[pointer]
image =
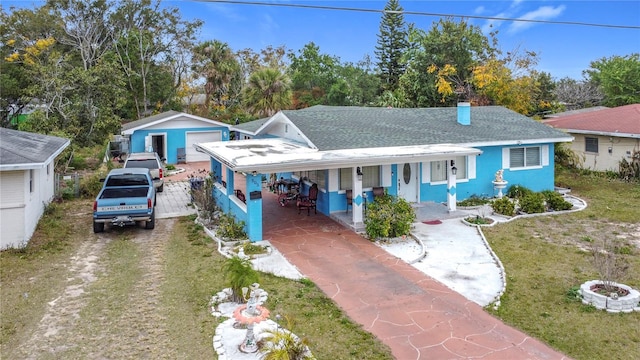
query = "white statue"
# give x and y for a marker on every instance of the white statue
(499, 177)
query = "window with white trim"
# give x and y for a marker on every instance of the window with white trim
(591, 144)
(370, 177)
(523, 157)
(345, 179)
(314, 176)
(439, 169)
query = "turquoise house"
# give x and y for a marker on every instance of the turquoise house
(422, 155)
(173, 134)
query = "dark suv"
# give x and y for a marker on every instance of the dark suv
(151, 161)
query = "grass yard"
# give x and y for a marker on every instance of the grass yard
(145, 305)
(546, 257)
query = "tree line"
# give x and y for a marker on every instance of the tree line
(81, 68)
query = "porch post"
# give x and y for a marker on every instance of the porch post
(216, 169)
(451, 186)
(358, 200)
(254, 207)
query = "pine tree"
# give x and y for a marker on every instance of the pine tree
(392, 43)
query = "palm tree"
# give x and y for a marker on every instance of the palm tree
(282, 344)
(215, 61)
(268, 91)
(239, 273)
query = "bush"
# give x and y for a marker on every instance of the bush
(238, 273)
(532, 203)
(518, 192)
(229, 228)
(90, 184)
(389, 216)
(474, 200)
(202, 195)
(555, 201)
(504, 206)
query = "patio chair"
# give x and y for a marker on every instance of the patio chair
(309, 202)
(349, 199)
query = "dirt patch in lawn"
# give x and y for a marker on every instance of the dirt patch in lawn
(98, 299)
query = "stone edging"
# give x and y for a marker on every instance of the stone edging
(496, 300)
(627, 304)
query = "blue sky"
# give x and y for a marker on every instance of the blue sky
(564, 50)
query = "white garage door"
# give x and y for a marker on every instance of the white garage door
(200, 137)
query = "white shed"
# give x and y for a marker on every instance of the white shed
(26, 182)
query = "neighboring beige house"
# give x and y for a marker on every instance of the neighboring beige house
(26, 182)
(603, 137)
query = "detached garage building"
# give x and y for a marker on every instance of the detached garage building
(172, 135)
(27, 182)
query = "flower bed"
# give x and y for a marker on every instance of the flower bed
(591, 292)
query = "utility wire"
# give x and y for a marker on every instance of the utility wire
(419, 13)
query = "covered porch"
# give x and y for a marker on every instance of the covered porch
(241, 168)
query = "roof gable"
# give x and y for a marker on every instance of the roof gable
(131, 127)
(349, 127)
(21, 150)
(621, 120)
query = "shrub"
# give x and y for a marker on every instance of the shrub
(78, 162)
(474, 200)
(518, 192)
(229, 228)
(389, 216)
(238, 273)
(504, 206)
(555, 201)
(532, 203)
(609, 263)
(566, 157)
(90, 184)
(253, 249)
(202, 195)
(283, 344)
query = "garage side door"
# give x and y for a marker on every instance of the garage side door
(200, 137)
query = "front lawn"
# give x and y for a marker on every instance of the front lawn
(546, 257)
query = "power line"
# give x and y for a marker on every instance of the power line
(420, 13)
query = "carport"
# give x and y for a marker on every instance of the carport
(256, 158)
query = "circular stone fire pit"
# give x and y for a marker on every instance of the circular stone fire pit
(610, 302)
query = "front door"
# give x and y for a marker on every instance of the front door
(408, 182)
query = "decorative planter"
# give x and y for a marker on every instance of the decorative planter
(488, 222)
(627, 303)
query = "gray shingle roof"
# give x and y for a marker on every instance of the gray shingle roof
(345, 127)
(28, 149)
(250, 126)
(149, 119)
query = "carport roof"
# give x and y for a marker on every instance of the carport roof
(269, 155)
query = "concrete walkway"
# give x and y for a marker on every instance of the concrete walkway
(417, 316)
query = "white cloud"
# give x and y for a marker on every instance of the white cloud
(542, 13)
(515, 3)
(226, 11)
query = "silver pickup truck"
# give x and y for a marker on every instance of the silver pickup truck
(128, 196)
(151, 161)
